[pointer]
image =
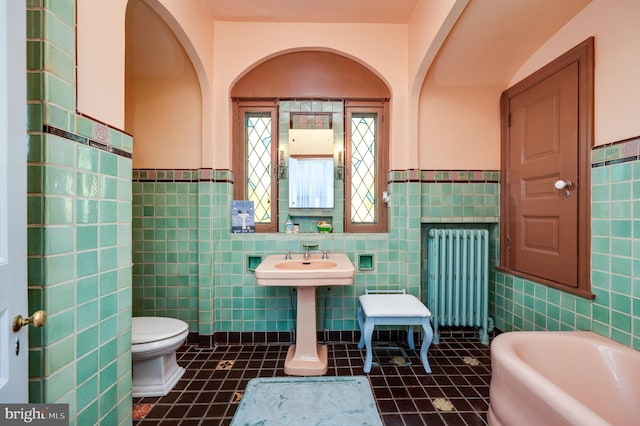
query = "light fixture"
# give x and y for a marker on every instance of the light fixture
(282, 168)
(340, 166)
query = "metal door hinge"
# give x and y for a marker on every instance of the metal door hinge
(508, 242)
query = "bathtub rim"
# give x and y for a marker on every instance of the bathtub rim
(561, 401)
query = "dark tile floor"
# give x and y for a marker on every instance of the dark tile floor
(210, 390)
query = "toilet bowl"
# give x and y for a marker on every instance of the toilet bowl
(154, 341)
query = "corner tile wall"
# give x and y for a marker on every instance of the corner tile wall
(520, 304)
(165, 226)
(79, 235)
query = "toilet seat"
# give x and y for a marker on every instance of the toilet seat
(152, 329)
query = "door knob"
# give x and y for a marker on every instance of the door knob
(563, 184)
(37, 320)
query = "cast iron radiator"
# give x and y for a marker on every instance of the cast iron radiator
(458, 279)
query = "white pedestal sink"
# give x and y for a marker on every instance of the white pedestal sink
(306, 357)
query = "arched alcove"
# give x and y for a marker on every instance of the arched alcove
(163, 97)
(322, 83)
(312, 75)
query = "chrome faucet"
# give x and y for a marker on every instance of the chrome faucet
(325, 254)
(307, 254)
(287, 255)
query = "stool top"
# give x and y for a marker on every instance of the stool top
(393, 305)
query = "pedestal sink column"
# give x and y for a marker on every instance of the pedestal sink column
(306, 357)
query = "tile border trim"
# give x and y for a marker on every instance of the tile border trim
(51, 130)
(619, 152)
(182, 175)
(444, 176)
(395, 176)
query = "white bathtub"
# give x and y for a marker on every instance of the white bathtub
(563, 378)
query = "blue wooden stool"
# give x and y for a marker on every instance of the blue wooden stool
(393, 309)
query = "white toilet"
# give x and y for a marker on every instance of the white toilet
(154, 341)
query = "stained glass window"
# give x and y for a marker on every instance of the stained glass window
(258, 131)
(363, 168)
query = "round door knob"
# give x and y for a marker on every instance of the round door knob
(37, 320)
(563, 184)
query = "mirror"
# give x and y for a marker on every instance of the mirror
(311, 183)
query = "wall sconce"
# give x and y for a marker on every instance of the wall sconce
(282, 168)
(340, 166)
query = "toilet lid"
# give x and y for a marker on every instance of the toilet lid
(150, 329)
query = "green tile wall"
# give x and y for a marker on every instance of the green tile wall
(79, 236)
(615, 248)
(165, 250)
(228, 298)
(460, 196)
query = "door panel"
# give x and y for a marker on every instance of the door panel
(544, 148)
(13, 192)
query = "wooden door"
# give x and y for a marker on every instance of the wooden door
(543, 134)
(546, 145)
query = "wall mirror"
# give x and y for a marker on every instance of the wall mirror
(311, 183)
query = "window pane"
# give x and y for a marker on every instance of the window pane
(258, 131)
(363, 168)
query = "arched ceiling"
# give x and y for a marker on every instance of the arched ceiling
(487, 45)
(152, 48)
(493, 38)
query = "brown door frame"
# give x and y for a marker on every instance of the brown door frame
(380, 108)
(583, 54)
(241, 107)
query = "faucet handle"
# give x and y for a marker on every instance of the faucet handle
(287, 255)
(325, 254)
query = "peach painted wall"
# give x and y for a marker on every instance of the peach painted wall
(617, 64)
(100, 60)
(240, 46)
(460, 127)
(163, 98)
(165, 122)
(430, 23)
(193, 26)
(223, 51)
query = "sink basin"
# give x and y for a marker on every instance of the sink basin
(300, 272)
(306, 265)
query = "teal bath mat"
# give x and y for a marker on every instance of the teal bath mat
(330, 401)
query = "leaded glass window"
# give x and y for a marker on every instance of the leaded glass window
(259, 168)
(363, 168)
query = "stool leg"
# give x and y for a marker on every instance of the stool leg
(427, 337)
(367, 333)
(361, 324)
(410, 338)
